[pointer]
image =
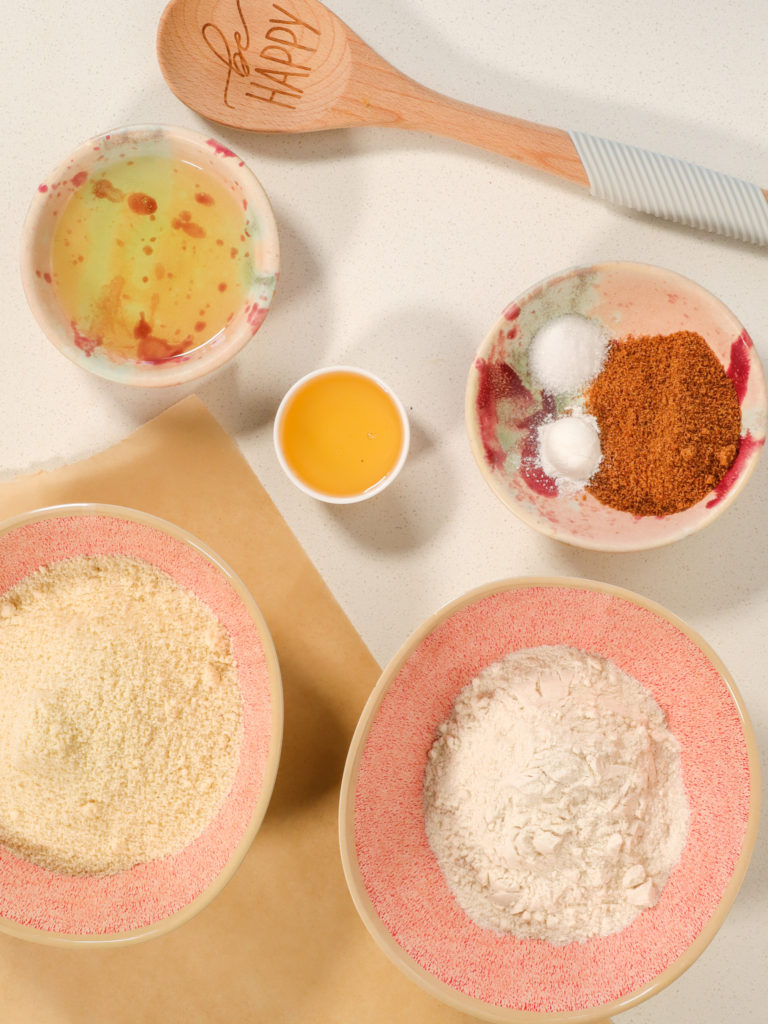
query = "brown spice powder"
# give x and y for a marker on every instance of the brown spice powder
(669, 421)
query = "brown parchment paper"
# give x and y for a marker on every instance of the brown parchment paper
(282, 942)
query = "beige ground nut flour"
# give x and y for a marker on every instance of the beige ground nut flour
(120, 715)
(554, 800)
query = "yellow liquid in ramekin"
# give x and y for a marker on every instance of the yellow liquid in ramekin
(150, 258)
(341, 434)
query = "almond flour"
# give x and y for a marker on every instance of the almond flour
(120, 716)
(554, 800)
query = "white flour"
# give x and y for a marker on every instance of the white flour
(553, 797)
(120, 716)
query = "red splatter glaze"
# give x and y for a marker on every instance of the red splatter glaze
(42, 188)
(185, 223)
(498, 381)
(255, 315)
(104, 189)
(155, 350)
(747, 446)
(140, 202)
(47, 277)
(80, 178)
(530, 468)
(219, 148)
(84, 343)
(512, 312)
(738, 367)
(495, 381)
(142, 328)
(204, 198)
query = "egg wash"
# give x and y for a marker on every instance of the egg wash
(150, 259)
(341, 434)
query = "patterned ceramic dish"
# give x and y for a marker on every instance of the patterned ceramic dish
(395, 880)
(151, 898)
(251, 240)
(504, 407)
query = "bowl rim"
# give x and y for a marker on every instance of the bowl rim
(541, 525)
(353, 875)
(170, 373)
(347, 499)
(180, 917)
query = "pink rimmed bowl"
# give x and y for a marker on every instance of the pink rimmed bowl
(394, 878)
(152, 898)
(504, 406)
(258, 234)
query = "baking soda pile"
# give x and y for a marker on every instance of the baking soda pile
(569, 449)
(565, 355)
(120, 716)
(553, 797)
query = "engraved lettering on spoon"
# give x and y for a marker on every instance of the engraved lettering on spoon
(282, 38)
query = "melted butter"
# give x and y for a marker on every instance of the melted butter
(341, 434)
(150, 259)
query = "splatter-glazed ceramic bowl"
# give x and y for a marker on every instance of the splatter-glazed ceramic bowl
(123, 260)
(504, 406)
(393, 876)
(151, 898)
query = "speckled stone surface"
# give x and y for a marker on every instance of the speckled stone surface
(398, 253)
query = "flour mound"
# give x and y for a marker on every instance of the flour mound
(553, 797)
(120, 716)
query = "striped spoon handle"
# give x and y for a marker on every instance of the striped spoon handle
(673, 189)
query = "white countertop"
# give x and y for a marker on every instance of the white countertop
(399, 252)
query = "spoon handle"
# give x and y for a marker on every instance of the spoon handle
(625, 175)
(673, 189)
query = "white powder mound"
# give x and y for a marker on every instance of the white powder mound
(569, 449)
(566, 353)
(553, 797)
(120, 716)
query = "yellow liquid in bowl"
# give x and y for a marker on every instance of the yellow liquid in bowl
(150, 259)
(341, 434)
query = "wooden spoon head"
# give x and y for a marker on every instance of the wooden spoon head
(262, 65)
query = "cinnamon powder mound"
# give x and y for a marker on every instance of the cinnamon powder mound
(669, 421)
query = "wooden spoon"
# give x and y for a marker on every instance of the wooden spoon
(294, 66)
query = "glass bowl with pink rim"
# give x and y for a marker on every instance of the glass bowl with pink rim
(150, 898)
(505, 405)
(150, 255)
(394, 877)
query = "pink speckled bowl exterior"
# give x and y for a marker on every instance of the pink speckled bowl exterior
(504, 407)
(395, 880)
(152, 898)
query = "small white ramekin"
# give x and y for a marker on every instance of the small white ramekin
(346, 499)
